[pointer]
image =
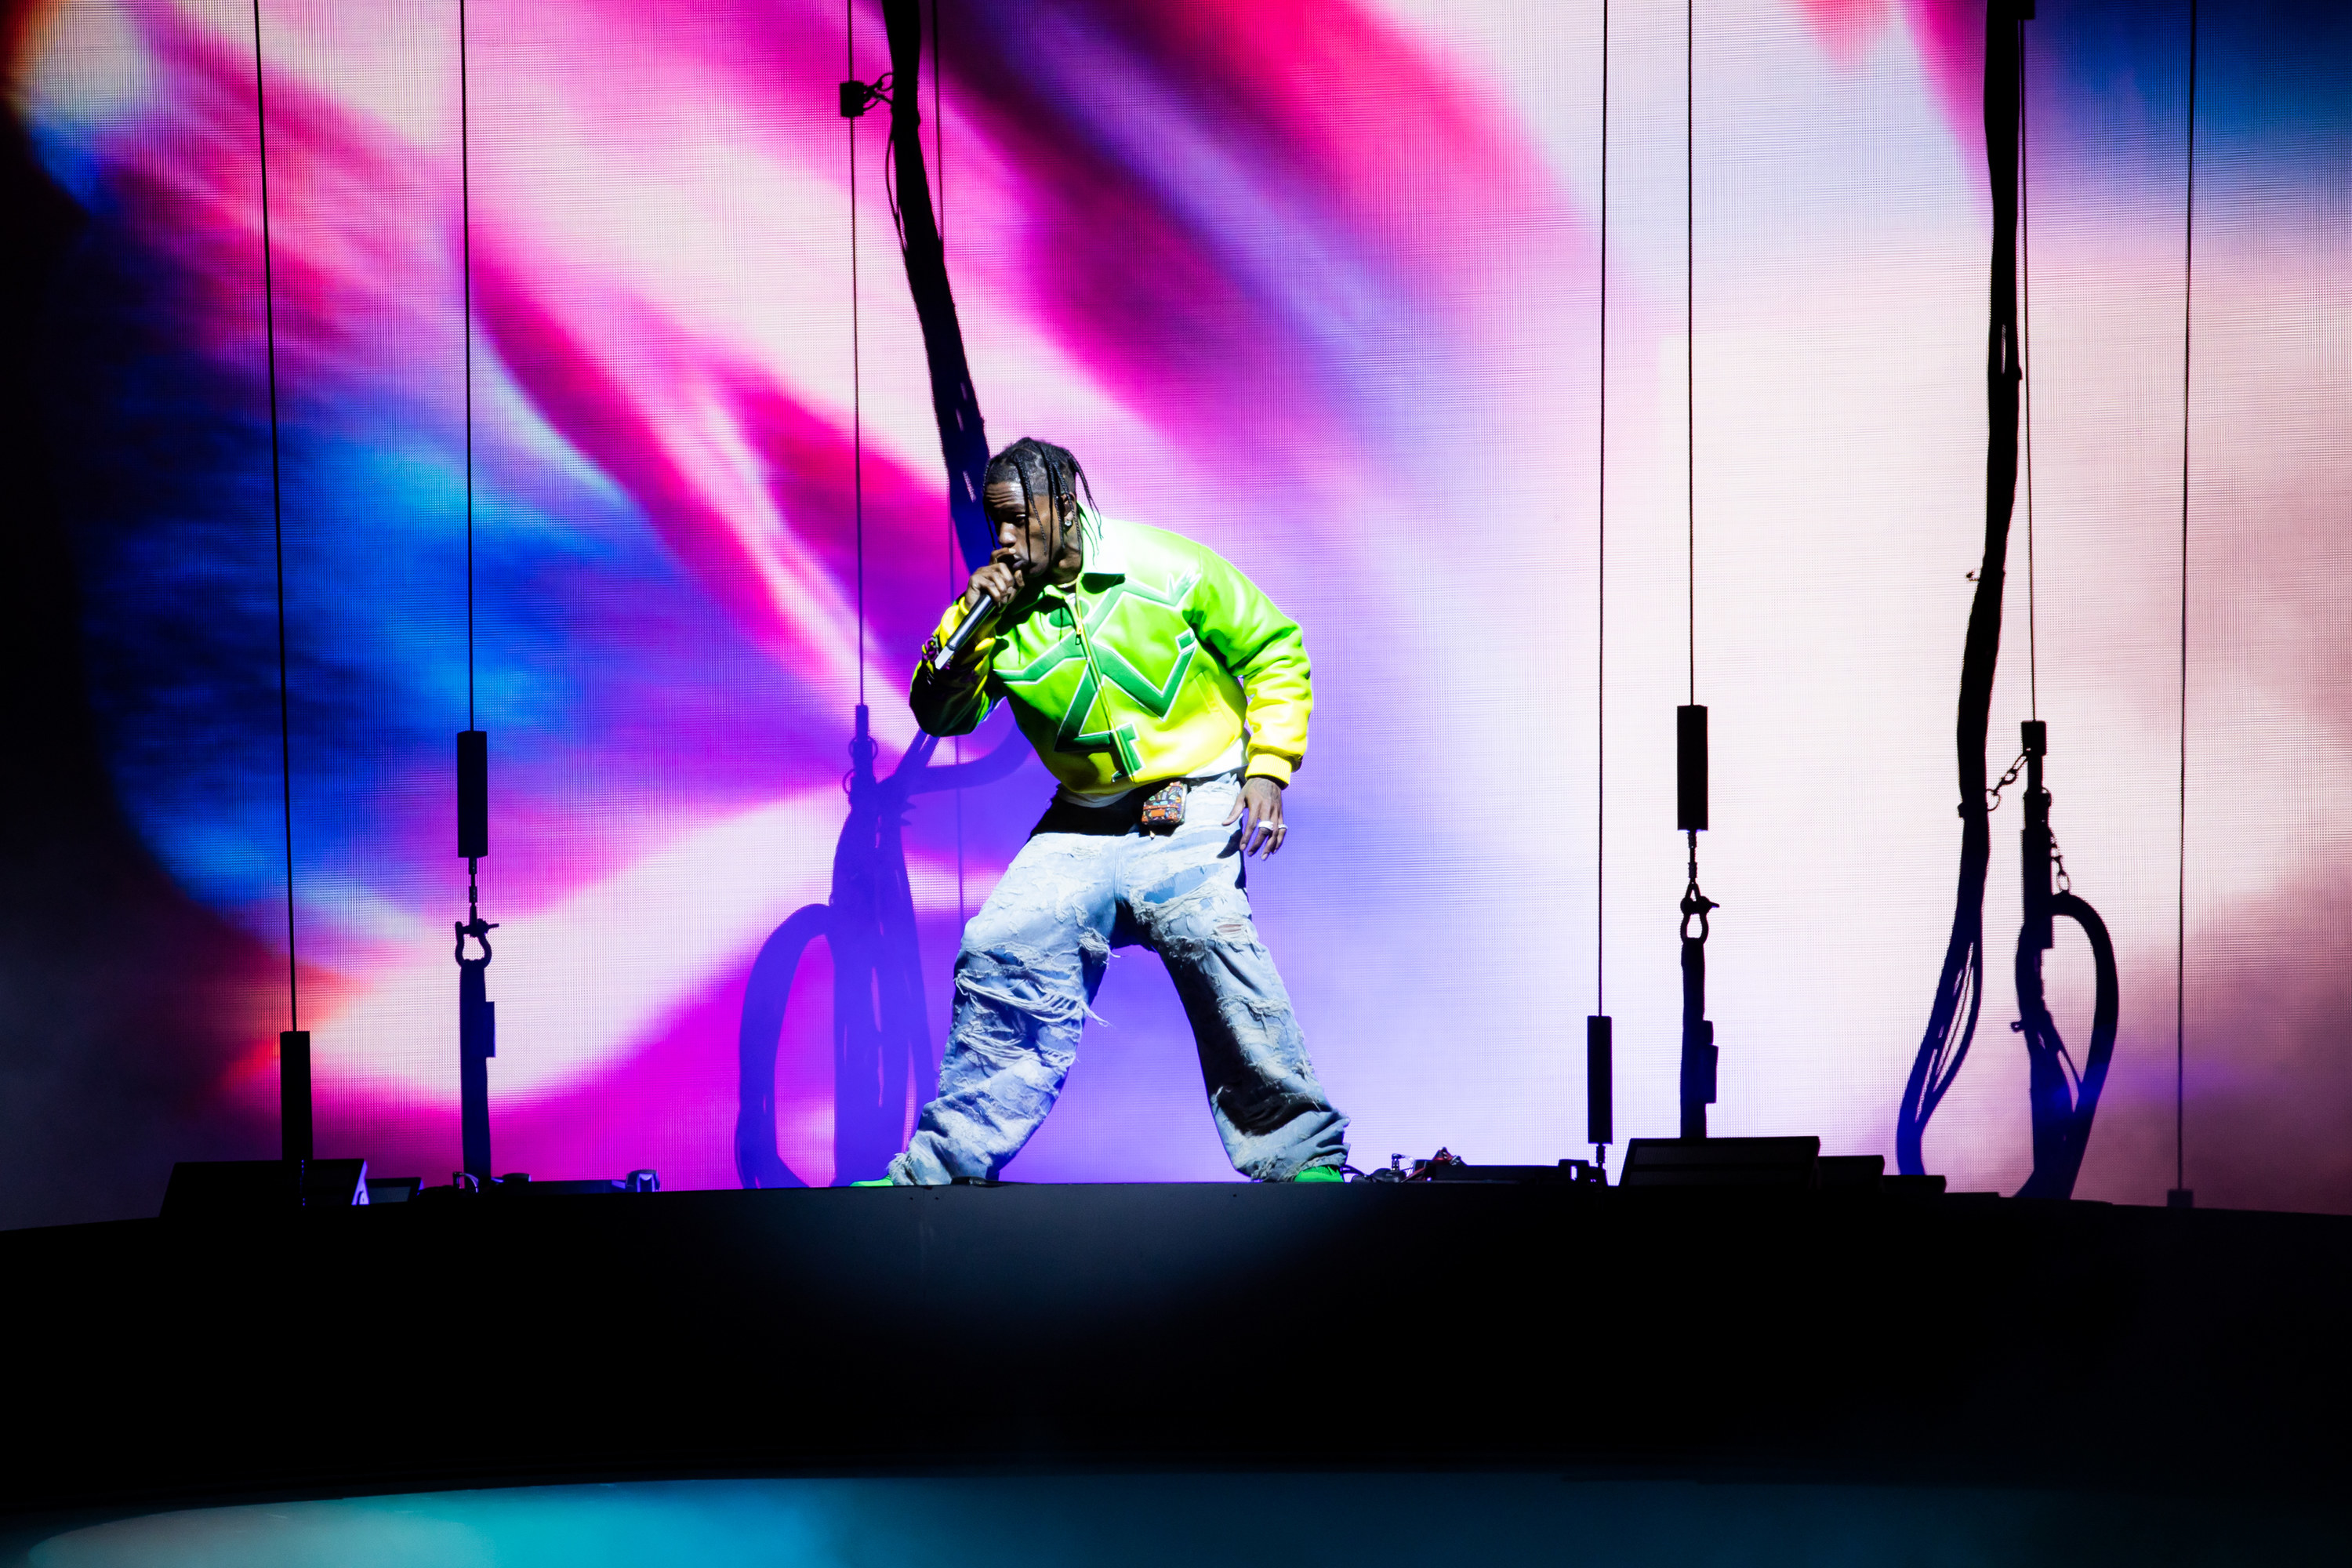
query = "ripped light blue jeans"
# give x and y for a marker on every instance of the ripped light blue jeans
(1033, 956)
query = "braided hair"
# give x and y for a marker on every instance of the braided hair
(1040, 467)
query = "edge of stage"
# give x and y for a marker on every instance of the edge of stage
(1804, 1336)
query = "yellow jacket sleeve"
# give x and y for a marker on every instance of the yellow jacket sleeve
(953, 703)
(1262, 649)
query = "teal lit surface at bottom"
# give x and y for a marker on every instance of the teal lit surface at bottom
(1228, 1521)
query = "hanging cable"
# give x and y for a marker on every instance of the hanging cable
(1600, 1088)
(2181, 1195)
(277, 523)
(1698, 1048)
(940, 159)
(2025, 355)
(856, 368)
(293, 1042)
(466, 274)
(2063, 1101)
(477, 1014)
(1600, 574)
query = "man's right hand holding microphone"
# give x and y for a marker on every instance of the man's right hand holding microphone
(997, 584)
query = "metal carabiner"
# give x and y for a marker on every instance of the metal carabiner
(479, 929)
(1696, 904)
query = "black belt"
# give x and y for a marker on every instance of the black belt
(1122, 817)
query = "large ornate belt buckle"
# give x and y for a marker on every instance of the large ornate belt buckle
(1164, 809)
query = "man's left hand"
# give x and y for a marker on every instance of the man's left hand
(1258, 809)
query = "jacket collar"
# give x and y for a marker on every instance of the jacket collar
(1106, 551)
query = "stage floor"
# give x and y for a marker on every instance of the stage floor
(1612, 1336)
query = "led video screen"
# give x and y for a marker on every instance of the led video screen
(1319, 284)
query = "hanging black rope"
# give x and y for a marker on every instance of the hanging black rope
(1600, 1066)
(1690, 329)
(294, 1113)
(1699, 1053)
(856, 370)
(955, 406)
(2025, 353)
(1960, 987)
(2063, 1100)
(940, 161)
(2181, 1196)
(476, 1013)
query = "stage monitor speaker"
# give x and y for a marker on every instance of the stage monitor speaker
(1749, 1163)
(221, 1189)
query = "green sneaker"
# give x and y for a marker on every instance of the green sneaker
(1319, 1174)
(883, 1182)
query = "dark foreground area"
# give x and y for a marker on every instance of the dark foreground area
(1168, 1520)
(1618, 1339)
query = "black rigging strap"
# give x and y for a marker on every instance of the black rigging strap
(963, 441)
(1959, 988)
(2063, 1100)
(1698, 1032)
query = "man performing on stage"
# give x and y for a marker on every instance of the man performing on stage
(1169, 698)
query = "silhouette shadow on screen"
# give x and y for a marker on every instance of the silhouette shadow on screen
(881, 1041)
(881, 1035)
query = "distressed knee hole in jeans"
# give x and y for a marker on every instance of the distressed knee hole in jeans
(1046, 987)
(1190, 923)
(1177, 886)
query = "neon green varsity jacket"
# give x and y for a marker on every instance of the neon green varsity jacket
(1146, 669)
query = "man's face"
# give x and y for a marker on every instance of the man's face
(1028, 539)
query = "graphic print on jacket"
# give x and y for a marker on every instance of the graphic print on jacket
(1102, 659)
(1105, 675)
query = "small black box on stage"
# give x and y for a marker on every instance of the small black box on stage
(1567, 1172)
(1789, 1162)
(520, 1186)
(225, 1189)
(1852, 1172)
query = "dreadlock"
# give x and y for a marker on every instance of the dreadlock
(1040, 467)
